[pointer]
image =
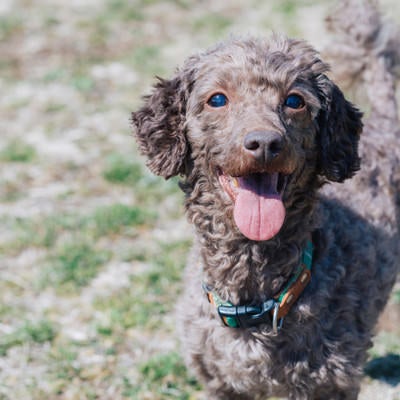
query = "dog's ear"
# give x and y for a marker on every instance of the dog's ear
(340, 127)
(159, 128)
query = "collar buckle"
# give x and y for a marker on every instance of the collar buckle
(248, 316)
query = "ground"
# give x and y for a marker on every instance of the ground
(91, 245)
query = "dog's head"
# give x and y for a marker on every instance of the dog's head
(260, 118)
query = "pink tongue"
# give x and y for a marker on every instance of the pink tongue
(259, 212)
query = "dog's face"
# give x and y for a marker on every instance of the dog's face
(259, 119)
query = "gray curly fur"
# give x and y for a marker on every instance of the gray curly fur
(320, 351)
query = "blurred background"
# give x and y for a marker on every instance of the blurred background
(91, 245)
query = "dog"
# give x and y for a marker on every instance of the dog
(295, 250)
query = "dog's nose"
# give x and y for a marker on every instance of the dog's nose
(263, 145)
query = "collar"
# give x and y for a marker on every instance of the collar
(273, 310)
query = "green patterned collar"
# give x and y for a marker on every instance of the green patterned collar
(273, 310)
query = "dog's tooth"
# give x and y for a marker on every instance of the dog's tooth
(235, 182)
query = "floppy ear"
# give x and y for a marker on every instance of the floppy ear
(340, 127)
(159, 128)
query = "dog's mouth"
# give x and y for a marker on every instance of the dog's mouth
(259, 212)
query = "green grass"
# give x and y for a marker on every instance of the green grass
(73, 265)
(171, 258)
(124, 10)
(113, 219)
(38, 232)
(214, 24)
(46, 231)
(384, 343)
(143, 304)
(129, 308)
(10, 191)
(151, 294)
(287, 7)
(54, 75)
(65, 356)
(165, 377)
(30, 332)
(55, 108)
(63, 367)
(149, 189)
(120, 169)
(396, 296)
(9, 25)
(18, 151)
(83, 83)
(147, 58)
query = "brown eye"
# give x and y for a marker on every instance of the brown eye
(294, 101)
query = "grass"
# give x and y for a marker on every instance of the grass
(165, 377)
(147, 58)
(287, 7)
(384, 343)
(83, 83)
(75, 264)
(113, 219)
(149, 189)
(215, 24)
(120, 169)
(30, 332)
(9, 26)
(397, 296)
(129, 308)
(55, 75)
(38, 232)
(18, 151)
(123, 10)
(10, 192)
(150, 295)
(46, 231)
(64, 357)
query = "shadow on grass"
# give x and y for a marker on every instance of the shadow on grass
(386, 368)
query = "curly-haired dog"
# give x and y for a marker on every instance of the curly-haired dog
(255, 127)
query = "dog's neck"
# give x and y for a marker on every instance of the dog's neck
(241, 270)
(244, 271)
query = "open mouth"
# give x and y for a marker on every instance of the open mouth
(259, 212)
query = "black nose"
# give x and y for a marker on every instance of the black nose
(263, 145)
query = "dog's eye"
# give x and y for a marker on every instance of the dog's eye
(217, 100)
(294, 101)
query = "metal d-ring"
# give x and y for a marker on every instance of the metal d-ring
(276, 325)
